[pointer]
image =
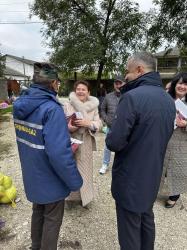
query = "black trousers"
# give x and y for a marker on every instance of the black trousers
(45, 225)
(136, 231)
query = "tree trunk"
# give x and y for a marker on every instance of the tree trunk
(75, 76)
(99, 73)
(105, 42)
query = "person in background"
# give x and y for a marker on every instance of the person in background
(167, 87)
(139, 135)
(108, 110)
(83, 128)
(48, 166)
(175, 164)
(101, 93)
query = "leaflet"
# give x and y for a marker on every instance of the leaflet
(73, 140)
(181, 108)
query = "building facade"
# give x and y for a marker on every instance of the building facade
(169, 62)
(18, 68)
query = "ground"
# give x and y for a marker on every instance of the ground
(86, 229)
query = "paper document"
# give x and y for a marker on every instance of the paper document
(73, 140)
(181, 108)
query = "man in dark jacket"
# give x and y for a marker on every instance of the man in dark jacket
(108, 110)
(139, 135)
(48, 167)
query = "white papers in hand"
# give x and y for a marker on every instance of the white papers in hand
(181, 108)
(73, 140)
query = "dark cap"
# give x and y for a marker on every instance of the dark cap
(119, 78)
(46, 71)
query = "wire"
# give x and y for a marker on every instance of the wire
(13, 11)
(19, 22)
(14, 3)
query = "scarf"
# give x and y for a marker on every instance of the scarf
(83, 107)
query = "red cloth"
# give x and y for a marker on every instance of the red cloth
(74, 147)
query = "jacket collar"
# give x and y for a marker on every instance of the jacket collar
(150, 78)
(116, 93)
(88, 106)
(41, 87)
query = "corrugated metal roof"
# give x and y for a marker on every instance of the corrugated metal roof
(21, 59)
(171, 52)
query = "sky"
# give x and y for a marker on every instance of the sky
(26, 39)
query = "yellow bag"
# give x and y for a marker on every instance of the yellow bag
(7, 182)
(9, 196)
(1, 178)
(2, 191)
(7, 190)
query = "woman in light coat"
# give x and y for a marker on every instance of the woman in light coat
(84, 130)
(175, 164)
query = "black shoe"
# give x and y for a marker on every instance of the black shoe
(170, 204)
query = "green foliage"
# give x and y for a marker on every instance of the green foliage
(170, 23)
(90, 36)
(6, 111)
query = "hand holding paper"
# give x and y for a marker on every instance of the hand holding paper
(180, 122)
(75, 116)
(181, 108)
(181, 116)
(75, 144)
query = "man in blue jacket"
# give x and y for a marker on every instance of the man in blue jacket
(139, 135)
(48, 167)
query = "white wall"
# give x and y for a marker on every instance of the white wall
(19, 66)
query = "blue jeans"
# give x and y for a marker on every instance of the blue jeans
(107, 152)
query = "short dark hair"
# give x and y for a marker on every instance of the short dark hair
(41, 81)
(180, 76)
(146, 58)
(81, 82)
